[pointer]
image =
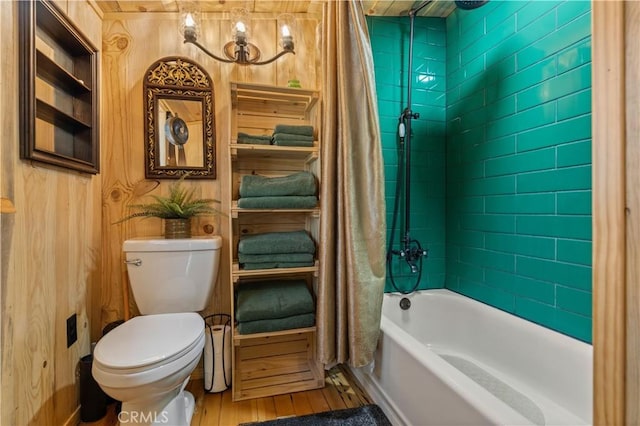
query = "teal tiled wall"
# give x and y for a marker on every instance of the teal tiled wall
(501, 193)
(390, 45)
(518, 181)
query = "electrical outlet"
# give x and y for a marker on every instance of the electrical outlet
(72, 329)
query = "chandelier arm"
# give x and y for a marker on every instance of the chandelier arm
(268, 61)
(205, 50)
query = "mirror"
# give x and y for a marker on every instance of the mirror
(179, 125)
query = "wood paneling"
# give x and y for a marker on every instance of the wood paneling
(131, 42)
(50, 258)
(437, 8)
(609, 251)
(632, 71)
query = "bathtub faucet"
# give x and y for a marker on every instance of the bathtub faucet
(412, 254)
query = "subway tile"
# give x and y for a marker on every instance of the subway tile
(575, 129)
(566, 179)
(574, 105)
(491, 186)
(574, 276)
(540, 313)
(521, 162)
(470, 272)
(574, 56)
(574, 154)
(523, 79)
(533, 11)
(492, 296)
(501, 108)
(574, 202)
(573, 32)
(574, 325)
(574, 251)
(493, 37)
(499, 279)
(540, 291)
(556, 87)
(490, 149)
(529, 119)
(572, 300)
(488, 223)
(572, 227)
(506, 10)
(488, 259)
(521, 204)
(540, 247)
(569, 10)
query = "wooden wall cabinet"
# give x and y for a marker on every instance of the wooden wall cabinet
(58, 89)
(273, 363)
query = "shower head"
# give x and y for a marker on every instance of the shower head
(470, 4)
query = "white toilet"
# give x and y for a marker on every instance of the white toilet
(146, 362)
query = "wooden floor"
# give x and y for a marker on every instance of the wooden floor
(341, 390)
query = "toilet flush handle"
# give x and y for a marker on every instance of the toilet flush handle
(136, 262)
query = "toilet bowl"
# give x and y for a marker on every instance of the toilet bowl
(146, 363)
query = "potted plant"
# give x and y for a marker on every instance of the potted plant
(176, 209)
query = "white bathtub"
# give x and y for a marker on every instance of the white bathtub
(450, 360)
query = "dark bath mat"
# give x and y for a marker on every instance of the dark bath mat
(368, 415)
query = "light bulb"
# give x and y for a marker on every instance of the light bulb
(285, 31)
(189, 21)
(240, 27)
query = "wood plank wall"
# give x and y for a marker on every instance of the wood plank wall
(132, 42)
(50, 256)
(632, 71)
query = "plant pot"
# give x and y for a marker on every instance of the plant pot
(177, 228)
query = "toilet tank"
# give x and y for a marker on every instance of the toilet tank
(172, 275)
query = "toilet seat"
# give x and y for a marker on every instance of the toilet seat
(148, 348)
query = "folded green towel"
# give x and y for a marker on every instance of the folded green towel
(294, 129)
(301, 183)
(258, 300)
(284, 202)
(293, 143)
(252, 266)
(290, 137)
(282, 257)
(277, 242)
(264, 326)
(245, 138)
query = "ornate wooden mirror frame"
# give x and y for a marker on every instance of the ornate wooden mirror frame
(179, 127)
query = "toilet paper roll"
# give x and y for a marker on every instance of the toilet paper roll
(217, 368)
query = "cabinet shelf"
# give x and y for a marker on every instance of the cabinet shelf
(264, 100)
(235, 210)
(238, 273)
(51, 72)
(308, 154)
(58, 69)
(53, 115)
(237, 337)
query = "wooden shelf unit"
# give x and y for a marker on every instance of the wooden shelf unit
(59, 87)
(274, 363)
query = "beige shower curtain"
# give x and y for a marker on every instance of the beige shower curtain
(353, 226)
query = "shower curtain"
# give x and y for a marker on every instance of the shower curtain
(353, 224)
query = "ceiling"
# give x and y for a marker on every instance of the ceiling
(437, 8)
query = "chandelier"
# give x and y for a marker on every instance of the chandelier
(238, 50)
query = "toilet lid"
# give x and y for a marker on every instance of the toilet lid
(149, 339)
